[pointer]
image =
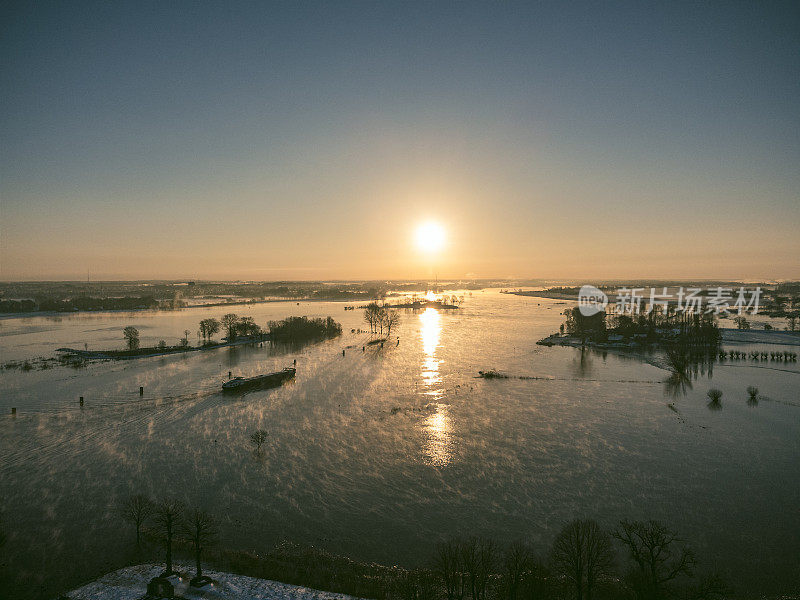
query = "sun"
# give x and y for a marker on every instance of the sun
(430, 237)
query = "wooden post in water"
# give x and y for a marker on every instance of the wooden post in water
(141, 390)
(80, 400)
(13, 411)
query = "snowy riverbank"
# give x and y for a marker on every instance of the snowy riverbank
(130, 583)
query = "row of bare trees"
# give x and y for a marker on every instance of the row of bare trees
(172, 520)
(381, 319)
(581, 564)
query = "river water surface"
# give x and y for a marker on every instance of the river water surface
(379, 454)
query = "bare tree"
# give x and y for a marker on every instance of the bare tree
(516, 562)
(450, 567)
(535, 582)
(583, 555)
(136, 510)
(391, 319)
(201, 529)
(131, 337)
(169, 517)
(230, 322)
(657, 554)
(373, 315)
(478, 558)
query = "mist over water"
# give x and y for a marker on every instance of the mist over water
(382, 452)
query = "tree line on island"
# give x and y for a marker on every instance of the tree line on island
(637, 560)
(663, 326)
(236, 328)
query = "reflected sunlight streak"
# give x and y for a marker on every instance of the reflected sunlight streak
(437, 425)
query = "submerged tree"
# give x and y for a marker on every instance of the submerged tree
(131, 335)
(714, 399)
(752, 395)
(168, 517)
(258, 438)
(659, 557)
(582, 555)
(136, 510)
(201, 529)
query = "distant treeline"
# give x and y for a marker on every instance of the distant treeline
(76, 304)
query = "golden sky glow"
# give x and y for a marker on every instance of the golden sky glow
(430, 237)
(544, 146)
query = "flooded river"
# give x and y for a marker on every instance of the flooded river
(380, 453)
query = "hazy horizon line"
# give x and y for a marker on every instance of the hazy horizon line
(571, 280)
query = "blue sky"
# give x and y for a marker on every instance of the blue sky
(307, 140)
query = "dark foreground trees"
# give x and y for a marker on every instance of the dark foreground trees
(450, 569)
(582, 554)
(659, 558)
(168, 518)
(581, 563)
(517, 562)
(479, 557)
(173, 523)
(201, 530)
(136, 510)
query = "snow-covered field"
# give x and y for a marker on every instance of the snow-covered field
(130, 583)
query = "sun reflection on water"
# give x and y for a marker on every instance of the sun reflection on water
(430, 331)
(437, 425)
